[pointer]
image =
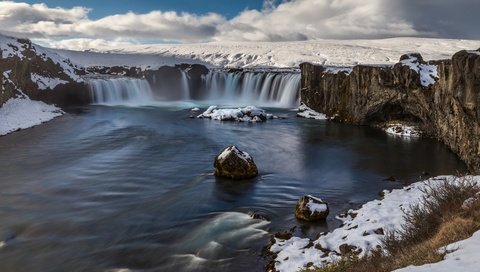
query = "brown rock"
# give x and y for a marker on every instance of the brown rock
(310, 208)
(233, 163)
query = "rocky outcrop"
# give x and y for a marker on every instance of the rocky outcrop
(310, 208)
(442, 98)
(233, 163)
(28, 69)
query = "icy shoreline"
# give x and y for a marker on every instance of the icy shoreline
(362, 231)
(22, 113)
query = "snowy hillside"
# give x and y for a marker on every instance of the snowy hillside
(275, 54)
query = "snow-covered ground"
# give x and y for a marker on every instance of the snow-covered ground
(463, 256)
(21, 113)
(272, 54)
(363, 229)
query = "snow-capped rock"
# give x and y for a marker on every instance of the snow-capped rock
(246, 114)
(233, 163)
(310, 208)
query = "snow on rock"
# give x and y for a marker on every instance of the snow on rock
(464, 256)
(246, 114)
(361, 231)
(428, 72)
(336, 70)
(12, 47)
(235, 151)
(403, 130)
(45, 83)
(21, 113)
(310, 208)
(233, 163)
(306, 112)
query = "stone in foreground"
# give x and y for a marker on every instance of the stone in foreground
(311, 209)
(233, 163)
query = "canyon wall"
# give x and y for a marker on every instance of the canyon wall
(441, 97)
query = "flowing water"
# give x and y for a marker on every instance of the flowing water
(105, 188)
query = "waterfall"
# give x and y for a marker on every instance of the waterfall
(185, 86)
(259, 88)
(121, 91)
(275, 89)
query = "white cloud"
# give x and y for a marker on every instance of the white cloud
(317, 19)
(279, 20)
(40, 21)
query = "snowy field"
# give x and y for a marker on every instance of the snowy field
(364, 228)
(271, 54)
(22, 113)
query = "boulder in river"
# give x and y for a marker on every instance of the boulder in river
(233, 163)
(310, 208)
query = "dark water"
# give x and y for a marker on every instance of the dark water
(110, 187)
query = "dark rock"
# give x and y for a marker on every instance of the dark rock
(390, 178)
(310, 208)
(233, 163)
(283, 235)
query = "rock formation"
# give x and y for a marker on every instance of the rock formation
(29, 69)
(310, 208)
(440, 97)
(233, 163)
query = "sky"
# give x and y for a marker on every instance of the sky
(89, 24)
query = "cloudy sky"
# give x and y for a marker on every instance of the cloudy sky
(89, 23)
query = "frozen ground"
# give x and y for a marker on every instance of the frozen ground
(272, 54)
(21, 113)
(363, 229)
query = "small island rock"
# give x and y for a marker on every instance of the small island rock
(310, 208)
(233, 163)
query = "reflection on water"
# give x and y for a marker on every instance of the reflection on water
(111, 188)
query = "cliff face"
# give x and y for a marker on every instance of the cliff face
(28, 69)
(441, 97)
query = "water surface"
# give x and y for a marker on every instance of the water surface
(107, 188)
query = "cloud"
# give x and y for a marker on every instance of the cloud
(40, 21)
(318, 19)
(279, 20)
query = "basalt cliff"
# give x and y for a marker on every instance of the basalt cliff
(441, 97)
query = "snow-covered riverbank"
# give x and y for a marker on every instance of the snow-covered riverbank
(363, 229)
(22, 113)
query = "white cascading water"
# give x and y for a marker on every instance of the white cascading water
(185, 86)
(221, 87)
(121, 91)
(256, 88)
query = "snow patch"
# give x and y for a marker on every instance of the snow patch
(336, 70)
(233, 149)
(316, 207)
(45, 83)
(246, 114)
(403, 130)
(306, 112)
(428, 73)
(465, 257)
(21, 113)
